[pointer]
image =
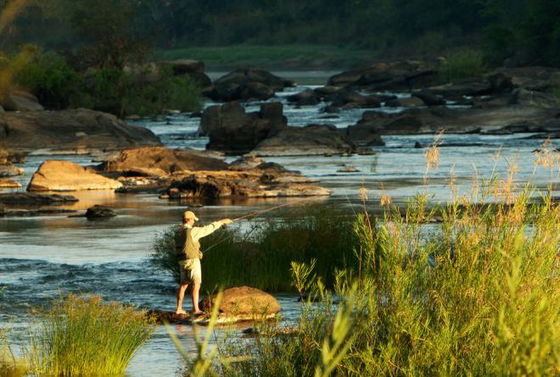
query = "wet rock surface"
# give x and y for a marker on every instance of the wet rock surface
(78, 129)
(30, 199)
(160, 161)
(243, 303)
(68, 176)
(100, 212)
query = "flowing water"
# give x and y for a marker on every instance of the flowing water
(42, 257)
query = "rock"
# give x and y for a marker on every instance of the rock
(10, 171)
(160, 161)
(364, 136)
(417, 145)
(11, 157)
(532, 78)
(99, 211)
(184, 66)
(429, 98)
(326, 91)
(246, 163)
(350, 99)
(306, 97)
(247, 83)
(432, 120)
(252, 183)
(8, 183)
(301, 141)
(78, 129)
(400, 75)
(409, 102)
(243, 304)
(233, 131)
(20, 101)
(527, 97)
(68, 176)
(13, 199)
(348, 169)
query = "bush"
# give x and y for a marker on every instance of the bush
(477, 296)
(50, 78)
(82, 336)
(463, 64)
(144, 92)
(262, 256)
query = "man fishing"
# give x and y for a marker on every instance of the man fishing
(188, 247)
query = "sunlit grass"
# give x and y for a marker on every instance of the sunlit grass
(82, 336)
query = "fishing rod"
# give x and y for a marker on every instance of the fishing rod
(255, 213)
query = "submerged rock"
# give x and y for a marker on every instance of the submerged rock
(31, 199)
(99, 212)
(68, 176)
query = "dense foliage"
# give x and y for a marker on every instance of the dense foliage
(521, 32)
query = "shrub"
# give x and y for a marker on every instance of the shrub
(476, 296)
(463, 64)
(82, 336)
(262, 256)
(50, 78)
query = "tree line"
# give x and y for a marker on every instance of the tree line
(515, 31)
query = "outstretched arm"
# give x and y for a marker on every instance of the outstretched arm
(203, 231)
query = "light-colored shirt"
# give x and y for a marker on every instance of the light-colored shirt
(202, 231)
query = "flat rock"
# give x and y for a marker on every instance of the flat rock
(263, 181)
(77, 129)
(160, 161)
(68, 176)
(8, 183)
(32, 199)
(305, 141)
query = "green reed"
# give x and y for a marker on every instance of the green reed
(84, 336)
(261, 257)
(475, 295)
(10, 364)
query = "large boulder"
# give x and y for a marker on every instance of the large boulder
(19, 100)
(68, 176)
(77, 129)
(400, 75)
(247, 83)
(232, 130)
(160, 161)
(306, 97)
(301, 141)
(243, 304)
(99, 212)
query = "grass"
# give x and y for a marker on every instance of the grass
(463, 64)
(272, 57)
(10, 365)
(263, 257)
(84, 336)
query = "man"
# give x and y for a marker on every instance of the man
(188, 246)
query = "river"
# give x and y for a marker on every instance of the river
(42, 257)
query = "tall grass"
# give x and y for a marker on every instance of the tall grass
(82, 336)
(477, 296)
(10, 364)
(462, 65)
(262, 256)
